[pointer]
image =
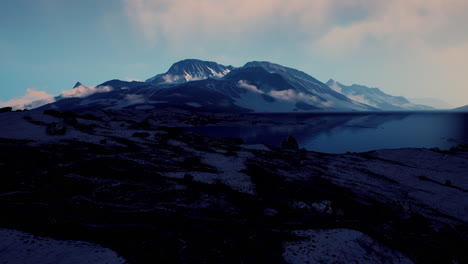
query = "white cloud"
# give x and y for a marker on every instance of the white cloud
(250, 87)
(361, 99)
(402, 24)
(32, 99)
(84, 91)
(180, 20)
(381, 42)
(336, 87)
(291, 95)
(129, 79)
(135, 98)
(331, 24)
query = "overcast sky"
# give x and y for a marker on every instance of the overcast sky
(414, 48)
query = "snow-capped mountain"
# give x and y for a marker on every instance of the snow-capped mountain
(191, 70)
(461, 109)
(432, 102)
(375, 97)
(306, 90)
(255, 87)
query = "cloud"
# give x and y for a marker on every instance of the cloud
(341, 24)
(291, 95)
(328, 28)
(384, 43)
(129, 79)
(84, 91)
(402, 23)
(361, 99)
(160, 20)
(336, 87)
(32, 99)
(250, 87)
(135, 98)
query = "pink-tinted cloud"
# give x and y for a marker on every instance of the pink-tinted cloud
(407, 47)
(84, 91)
(130, 79)
(32, 99)
(331, 26)
(402, 24)
(233, 19)
(246, 85)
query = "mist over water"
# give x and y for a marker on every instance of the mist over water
(340, 133)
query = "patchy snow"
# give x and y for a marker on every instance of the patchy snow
(418, 177)
(339, 246)
(256, 101)
(18, 247)
(193, 104)
(15, 126)
(21, 126)
(228, 169)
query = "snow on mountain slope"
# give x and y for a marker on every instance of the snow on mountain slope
(462, 108)
(191, 70)
(258, 86)
(305, 85)
(432, 102)
(375, 97)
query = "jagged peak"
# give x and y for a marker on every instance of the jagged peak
(78, 84)
(196, 64)
(192, 69)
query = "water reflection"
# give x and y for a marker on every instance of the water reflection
(339, 133)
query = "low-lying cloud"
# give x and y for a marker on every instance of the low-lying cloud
(135, 98)
(361, 99)
(130, 79)
(286, 95)
(291, 95)
(250, 87)
(84, 91)
(32, 99)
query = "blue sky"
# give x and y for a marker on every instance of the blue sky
(413, 48)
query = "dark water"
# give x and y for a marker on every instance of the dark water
(340, 133)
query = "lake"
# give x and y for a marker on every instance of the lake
(351, 132)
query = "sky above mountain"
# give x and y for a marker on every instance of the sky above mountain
(414, 48)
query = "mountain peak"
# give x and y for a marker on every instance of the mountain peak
(191, 70)
(374, 97)
(269, 66)
(78, 84)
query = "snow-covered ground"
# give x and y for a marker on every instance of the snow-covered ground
(228, 169)
(18, 247)
(430, 184)
(339, 246)
(424, 179)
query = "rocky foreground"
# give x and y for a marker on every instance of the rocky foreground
(138, 188)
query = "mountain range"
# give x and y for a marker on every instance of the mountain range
(375, 97)
(258, 86)
(462, 108)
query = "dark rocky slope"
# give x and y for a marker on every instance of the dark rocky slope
(136, 183)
